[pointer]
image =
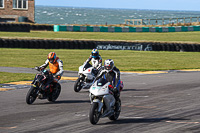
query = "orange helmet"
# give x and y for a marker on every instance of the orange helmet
(52, 57)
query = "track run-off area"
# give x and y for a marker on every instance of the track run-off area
(152, 102)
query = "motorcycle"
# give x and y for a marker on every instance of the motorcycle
(87, 75)
(103, 103)
(43, 87)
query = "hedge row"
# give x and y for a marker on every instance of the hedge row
(176, 47)
(42, 27)
(15, 27)
(9, 27)
(76, 44)
(46, 44)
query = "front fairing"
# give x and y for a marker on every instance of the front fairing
(99, 90)
(80, 70)
(88, 74)
(39, 80)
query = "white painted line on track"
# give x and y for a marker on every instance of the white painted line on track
(8, 127)
(182, 122)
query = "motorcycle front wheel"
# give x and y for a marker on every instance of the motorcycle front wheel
(117, 111)
(31, 95)
(94, 114)
(55, 93)
(78, 85)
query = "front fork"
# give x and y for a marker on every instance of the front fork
(100, 104)
(82, 77)
(35, 86)
(98, 101)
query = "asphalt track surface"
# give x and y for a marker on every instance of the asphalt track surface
(155, 103)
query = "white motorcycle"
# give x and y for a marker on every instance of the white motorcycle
(103, 103)
(86, 77)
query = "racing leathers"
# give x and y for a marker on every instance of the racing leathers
(56, 68)
(96, 63)
(113, 77)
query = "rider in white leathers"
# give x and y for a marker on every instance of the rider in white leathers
(96, 61)
(112, 75)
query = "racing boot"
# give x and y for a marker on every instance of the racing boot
(42, 95)
(117, 102)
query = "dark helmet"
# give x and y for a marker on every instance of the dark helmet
(109, 65)
(52, 57)
(95, 53)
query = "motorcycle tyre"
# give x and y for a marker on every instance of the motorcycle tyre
(32, 91)
(77, 85)
(52, 96)
(116, 113)
(93, 116)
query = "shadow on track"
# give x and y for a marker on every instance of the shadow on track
(135, 89)
(71, 101)
(142, 120)
(64, 101)
(84, 91)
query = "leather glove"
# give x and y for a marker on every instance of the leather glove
(115, 90)
(41, 68)
(37, 68)
(58, 77)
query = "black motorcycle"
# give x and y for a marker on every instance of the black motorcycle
(43, 87)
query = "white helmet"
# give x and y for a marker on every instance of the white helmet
(109, 65)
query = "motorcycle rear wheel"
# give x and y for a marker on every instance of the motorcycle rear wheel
(31, 95)
(117, 111)
(94, 114)
(78, 85)
(55, 93)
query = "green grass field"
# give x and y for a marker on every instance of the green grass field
(72, 59)
(11, 77)
(160, 37)
(124, 60)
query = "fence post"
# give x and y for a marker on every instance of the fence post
(171, 20)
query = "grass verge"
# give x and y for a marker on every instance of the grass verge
(125, 60)
(6, 77)
(192, 37)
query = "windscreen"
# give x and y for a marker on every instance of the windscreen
(101, 82)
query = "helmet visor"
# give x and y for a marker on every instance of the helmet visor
(94, 54)
(108, 67)
(51, 60)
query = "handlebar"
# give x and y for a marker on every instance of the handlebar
(37, 68)
(41, 69)
(44, 71)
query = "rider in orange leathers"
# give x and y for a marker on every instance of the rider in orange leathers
(55, 66)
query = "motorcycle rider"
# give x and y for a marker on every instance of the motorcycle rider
(96, 60)
(56, 69)
(55, 66)
(112, 74)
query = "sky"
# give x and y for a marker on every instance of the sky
(191, 5)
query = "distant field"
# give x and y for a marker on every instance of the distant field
(161, 37)
(124, 60)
